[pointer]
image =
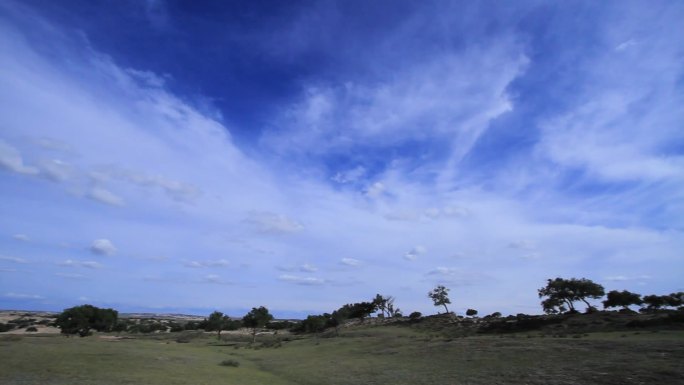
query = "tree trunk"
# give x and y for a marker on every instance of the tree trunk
(219, 334)
(585, 301)
(445, 308)
(570, 305)
(254, 335)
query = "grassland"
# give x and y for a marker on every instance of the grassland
(391, 354)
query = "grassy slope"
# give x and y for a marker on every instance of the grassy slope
(88, 361)
(376, 355)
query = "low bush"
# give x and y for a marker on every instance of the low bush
(231, 363)
(5, 327)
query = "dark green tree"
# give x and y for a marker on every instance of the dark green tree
(440, 297)
(359, 310)
(654, 302)
(675, 299)
(256, 319)
(337, 318)
(471, 312)
(622, 299)
(563, 293)
(315, 323)
(81, 319)
(218, 322)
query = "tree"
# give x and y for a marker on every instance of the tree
(358, 310)
(217, 322)
(654, 302)
(81, 319)
(386, 306)
(675, 299)
(622, 299)
(440, 297)
(337, 318)
(315, 323)
(257, 318)
(471, 312)
(564, 292)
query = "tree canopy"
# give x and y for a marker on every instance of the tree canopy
(562, 293)
(622, 299)
(257, 318)
(81, 319)
(218, 322)
(440, 296)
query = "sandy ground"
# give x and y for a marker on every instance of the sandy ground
(9, 315)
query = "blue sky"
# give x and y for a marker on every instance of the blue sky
(192, 156)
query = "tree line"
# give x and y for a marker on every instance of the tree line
(559, 295)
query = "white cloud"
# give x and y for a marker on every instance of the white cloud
(271, 223)
(307, 281)
(350, 262)
(457, 277)
(626, 45)
(375, 190)
(213, 278)
(622, 278)
(450, 97)
(194, 264)
(21, 237)
(11, 160)
(414, 253)
(349, 176)
(91, 264)
(174, 189)
(13, 259)
(86, 264)
(206, 264)
(523, 244)
(56, 170)
(103, 247)
(105, 196)
(70, 275)
(13, 295)
(308, 268)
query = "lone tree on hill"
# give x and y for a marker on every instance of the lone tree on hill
(564, 292)
(80, 319)
(621, 299)
(218, 322)
(471, 312)
(257, 318)
(440, 297)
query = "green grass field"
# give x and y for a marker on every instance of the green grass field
(362, 355)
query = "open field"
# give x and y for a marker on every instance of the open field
(360, 355)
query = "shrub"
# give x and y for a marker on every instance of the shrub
(5, 327)
(415, 316)
(31, 329)
(175, 327)
(231, 363)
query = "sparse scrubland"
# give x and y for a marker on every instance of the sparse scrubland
(597, 348)
(349, 346)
